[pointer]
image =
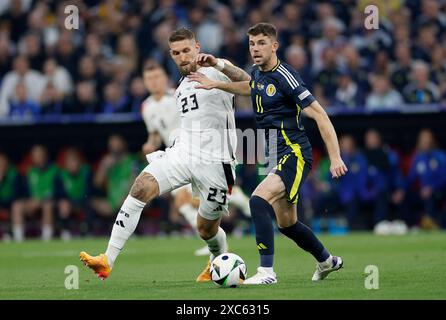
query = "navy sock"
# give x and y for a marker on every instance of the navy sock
(261, 212)
(307, 240)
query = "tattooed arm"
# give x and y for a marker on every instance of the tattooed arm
(236, 87)
(232, 72)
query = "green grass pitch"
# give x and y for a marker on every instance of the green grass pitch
(410, 267)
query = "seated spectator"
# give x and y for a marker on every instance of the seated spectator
(88, 71)
(58, 76)
(352, 61)
(65, 51)
(84, 100)
(331, 38)
(348, 94)
(5, 55)
(75, 183)
(21, 106)
(138, 93)
(114, 177)
(232, 46)
(95, 48)
(51, 100)
(420, 89)
(381, 63)
(290, 23)
(322, 12)
(431, 14)
(383, 96)
(438, 67)
(370, 42)
(426, 182)
(296, 57)
(11, 193)
(401, 67)
(32, 80)
(41, 185)
(325, 82)
(127, 50)
(425, 43)
(15, 19)
(31, 47)
(115, 99)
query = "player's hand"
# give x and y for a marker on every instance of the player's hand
(338, 168)
(205, 60)
(205, 82)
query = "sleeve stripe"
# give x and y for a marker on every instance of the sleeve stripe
(304, 94)
(290, 75)
(293, 86)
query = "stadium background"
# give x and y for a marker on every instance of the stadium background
(75, 88)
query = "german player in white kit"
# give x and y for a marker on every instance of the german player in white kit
(202, 155)
(162, 121)
(159, 110)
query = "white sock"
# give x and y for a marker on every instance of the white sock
(112, 253)
(217, 244)
(47, 232)
(328, 262)
(126, 222)
(18, 233)
(240, 200)
(269, 270)
(189, 212)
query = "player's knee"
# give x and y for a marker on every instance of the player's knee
(145, 187)
(271, 191)
(203, 231)
(258, 193)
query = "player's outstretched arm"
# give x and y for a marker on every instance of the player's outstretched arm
(232, 72)
(328, 133)
(239, 87)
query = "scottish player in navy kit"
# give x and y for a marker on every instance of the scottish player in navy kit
(279, 97)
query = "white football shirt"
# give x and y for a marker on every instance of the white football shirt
(162, 116)
(207, 119)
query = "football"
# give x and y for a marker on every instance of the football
(228, 270)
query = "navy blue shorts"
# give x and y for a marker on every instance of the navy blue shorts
(293, 169)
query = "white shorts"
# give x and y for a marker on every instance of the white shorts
(211, 182)
(187, 187)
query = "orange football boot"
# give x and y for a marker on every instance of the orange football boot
(98, 264)
(205, 275)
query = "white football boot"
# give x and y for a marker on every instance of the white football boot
(323, 269)
(263, 276)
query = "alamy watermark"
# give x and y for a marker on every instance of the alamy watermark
(371, 20)
(72, 20)
(201, 144)
(371, 281)
(72, 279)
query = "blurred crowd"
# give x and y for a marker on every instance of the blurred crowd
(47, 69)
(382, 185)
(67, 195)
